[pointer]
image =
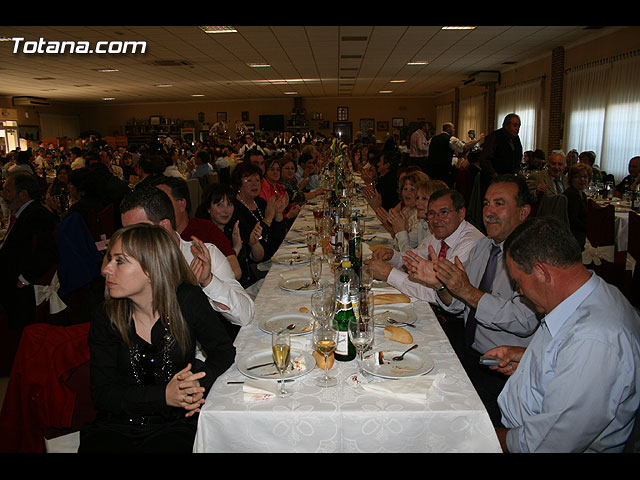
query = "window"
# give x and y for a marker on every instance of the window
(603, 112)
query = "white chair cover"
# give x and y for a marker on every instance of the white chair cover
(49, 293)
(596, 255)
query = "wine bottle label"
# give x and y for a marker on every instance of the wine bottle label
(342, 347)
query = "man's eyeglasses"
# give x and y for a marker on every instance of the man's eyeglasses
(442, 213)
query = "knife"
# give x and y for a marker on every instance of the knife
(261, 365)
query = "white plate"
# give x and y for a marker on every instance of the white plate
(297, 258)
(269, 372)
(299, 285)
(304, 323)
(297, 239)
(382, 314)
(414, 364)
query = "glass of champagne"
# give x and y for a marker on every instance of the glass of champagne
(315, 266)
(312, 242)
(325, 339)
(281, 348)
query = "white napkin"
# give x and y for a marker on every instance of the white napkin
(258, 390)
(414, 388)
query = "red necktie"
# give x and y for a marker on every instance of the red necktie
(443, 250)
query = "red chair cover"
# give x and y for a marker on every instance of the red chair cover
(601, 224)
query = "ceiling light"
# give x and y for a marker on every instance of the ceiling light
(108, 98)
(459, 28)
(218, 29)
(106, 70)
(197, 95)
(290, 93)
(163, 85)
(397, 81)
(6, 39)
(386, 91)
(422, 62)
(258, 65)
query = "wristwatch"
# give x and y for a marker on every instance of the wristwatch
(443, 287)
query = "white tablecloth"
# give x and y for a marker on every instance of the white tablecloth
(345, 418)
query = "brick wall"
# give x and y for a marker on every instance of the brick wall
(556, 85)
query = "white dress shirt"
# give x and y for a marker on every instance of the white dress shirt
(460, 243)
(223, 288)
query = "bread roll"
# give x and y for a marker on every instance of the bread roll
(320, 359)
(397, 334)
(390, 298)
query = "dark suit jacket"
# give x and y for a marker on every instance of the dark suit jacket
(30, 250)
(500, 153)
(577, 211)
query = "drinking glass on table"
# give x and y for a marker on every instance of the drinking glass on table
(361, 333)
(366, 279)
(315, 266)
(312, 242)
(318, 215)
(325, 339)
(281, 348)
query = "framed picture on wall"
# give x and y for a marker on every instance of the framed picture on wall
(397, 122)
(221, 117)
(382, 126)
(343, 114)
(155, 120)
(244, 116)
(366, 124)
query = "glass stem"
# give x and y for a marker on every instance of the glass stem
(326, 367)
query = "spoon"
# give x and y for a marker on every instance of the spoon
(400, 357)
(291, 326)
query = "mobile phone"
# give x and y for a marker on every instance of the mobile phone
(485, 360)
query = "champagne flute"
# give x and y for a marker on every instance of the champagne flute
(312, 242)
(315, 265)
(281, 348)
(361, 333)
(325, 340)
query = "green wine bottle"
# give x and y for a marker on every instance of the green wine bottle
(345, 351)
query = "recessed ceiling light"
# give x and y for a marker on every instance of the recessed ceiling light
(108, 98)
(197, 95)
(218, 29)
(6, 39)
(386, 91)
(421, 62)
(258, 65)
(163, 85)
(467, 27)
(106, 70)
(397, 81)
(290, 93)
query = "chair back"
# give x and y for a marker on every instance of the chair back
(632, 291)
(554, 206)
(474, 212)
(601, 224)
(464, 184)
(102, 222)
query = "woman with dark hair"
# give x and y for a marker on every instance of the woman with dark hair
(146, 383)
(251, 209)
(578, 177)
(87, 192)
(218, 206)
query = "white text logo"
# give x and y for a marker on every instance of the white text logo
(83, 47)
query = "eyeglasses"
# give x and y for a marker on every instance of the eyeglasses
(442, 213)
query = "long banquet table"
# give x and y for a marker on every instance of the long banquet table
(345, 418)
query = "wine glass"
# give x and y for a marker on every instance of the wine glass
(366, 279)
(281, 348)
(325, 340)
(312, 242)
(323, 304)
(361, 333)
(315, 265)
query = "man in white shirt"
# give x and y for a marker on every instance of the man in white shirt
(212, 269)
(452, 237)
(419, 147)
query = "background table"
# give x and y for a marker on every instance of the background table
(345, 418)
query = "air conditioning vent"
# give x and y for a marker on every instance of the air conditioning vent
(171, 63)
(30, 101)
(485, 77)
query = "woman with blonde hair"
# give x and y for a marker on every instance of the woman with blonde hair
(146, 383)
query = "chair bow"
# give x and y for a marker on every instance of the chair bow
(596, 255)
(49, 293)
(631, 263)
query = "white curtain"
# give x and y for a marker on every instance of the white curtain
(54, 125)
(603, 112)
(444, 114)
(471, 117)
(525, 100)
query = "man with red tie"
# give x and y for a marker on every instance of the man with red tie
(452, 236)
(482, 291)
(28, 251)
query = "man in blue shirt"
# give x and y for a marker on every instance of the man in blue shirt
(575, 386)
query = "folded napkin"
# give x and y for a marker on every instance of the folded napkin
(414, 388)
(258, 390)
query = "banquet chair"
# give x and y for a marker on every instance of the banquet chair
(464, 184)
(48, 390)
(599, 250)
(474, 212)
(632, 272)
(102, 222)
(554, 206)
